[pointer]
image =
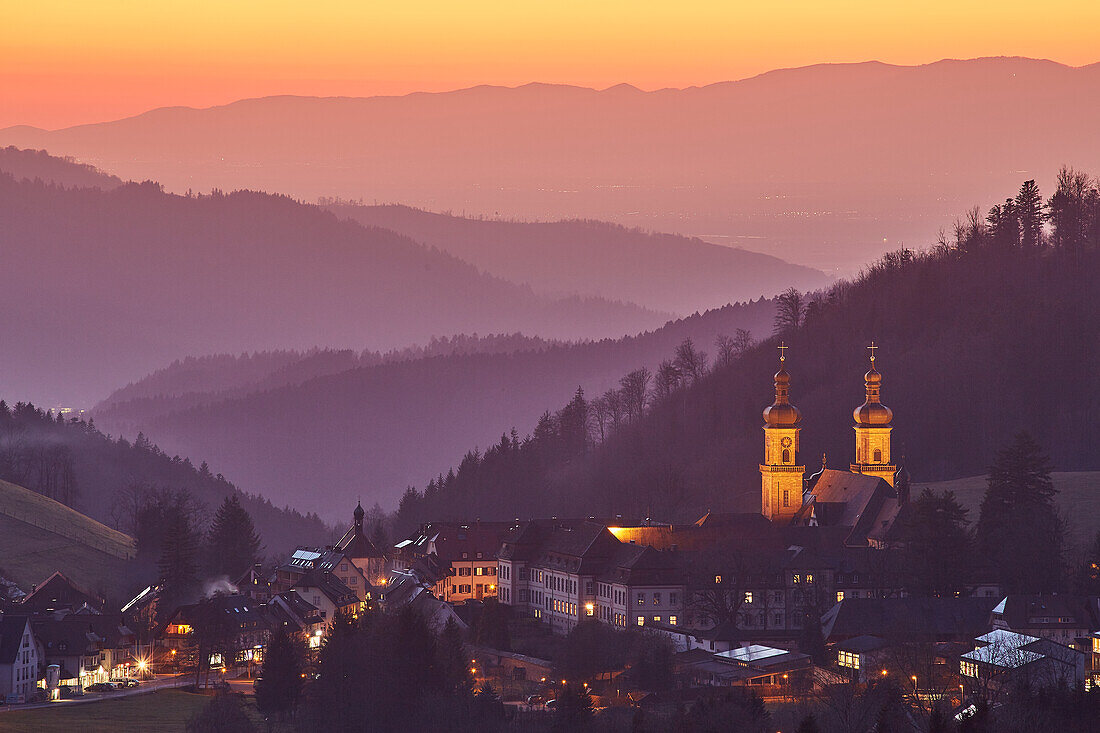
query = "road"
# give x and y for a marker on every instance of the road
(160, 683)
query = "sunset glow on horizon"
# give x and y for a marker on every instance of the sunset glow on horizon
(66, 63)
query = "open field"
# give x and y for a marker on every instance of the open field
(1078, 500)
(39, 535)
(163, 712)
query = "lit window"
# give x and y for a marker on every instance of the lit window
(797, 578)
(641, 620)
(968, 668)
(671, 620)
(656, 619)
(717, 579)
(656, 599)
(839, 596)
(748, 596)
(809, 579)
(848, 659)
(641, 599)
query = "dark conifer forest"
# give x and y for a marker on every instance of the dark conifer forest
(991, 331)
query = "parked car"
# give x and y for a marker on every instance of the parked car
(68, 692)
(129, 682)
(535, 700)
(101, 687)
(39, 695)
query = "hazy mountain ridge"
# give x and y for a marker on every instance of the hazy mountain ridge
(193, 381)
(825, 165)
(147, 277)
(665, 272)
(373, 430)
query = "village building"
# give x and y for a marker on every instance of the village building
(58, 593)
(19, 661)
(1003, 659)
(354, 561)
(459, 559)
(86, 647)
(328, 594)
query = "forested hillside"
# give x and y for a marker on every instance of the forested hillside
(984, 335)
(40, 165)
(665, 272)
(73, 462)
(199, 380)
(370, 431)
(111, 284)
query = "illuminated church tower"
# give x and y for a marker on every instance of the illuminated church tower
(873, 429)
(780, 476)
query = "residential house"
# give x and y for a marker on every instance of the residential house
(88, 648)
(1001, 659)
(18, 659)
(460, 557)
(58, 593)
(328, 594)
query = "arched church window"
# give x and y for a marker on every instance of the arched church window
(878, 456)
(786, 455)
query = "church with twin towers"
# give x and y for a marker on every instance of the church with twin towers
(867, 497)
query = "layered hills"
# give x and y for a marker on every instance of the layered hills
(826, 165)
(109, 285)
(384, 422)
(664, 272)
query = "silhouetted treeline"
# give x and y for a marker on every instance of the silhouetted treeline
(38, 165)
(111, 479)
(979, 339)
(200, 380)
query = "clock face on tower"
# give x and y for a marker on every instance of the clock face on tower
(786, 442)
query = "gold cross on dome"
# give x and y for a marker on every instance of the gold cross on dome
(872, 348)
(783, 350)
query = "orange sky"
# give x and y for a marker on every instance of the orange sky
(64, 63)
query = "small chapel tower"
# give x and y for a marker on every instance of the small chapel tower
(780, 474)
(873, 429)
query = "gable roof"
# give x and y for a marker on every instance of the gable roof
(865, 503)
(908, 619)
(12, 629)
(73, 634)
(1060, 611)
(355, 544)
(330, 586)
(58, 592)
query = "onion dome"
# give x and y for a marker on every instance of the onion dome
(872, 413)
(358, 514)
(781, 413)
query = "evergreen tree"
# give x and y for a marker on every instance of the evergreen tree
(453, 663)
(1029, 211)
(178, 567)
(1019, 531)
(937, 544)
(573, 708)
(233, 544)
(280, 684)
